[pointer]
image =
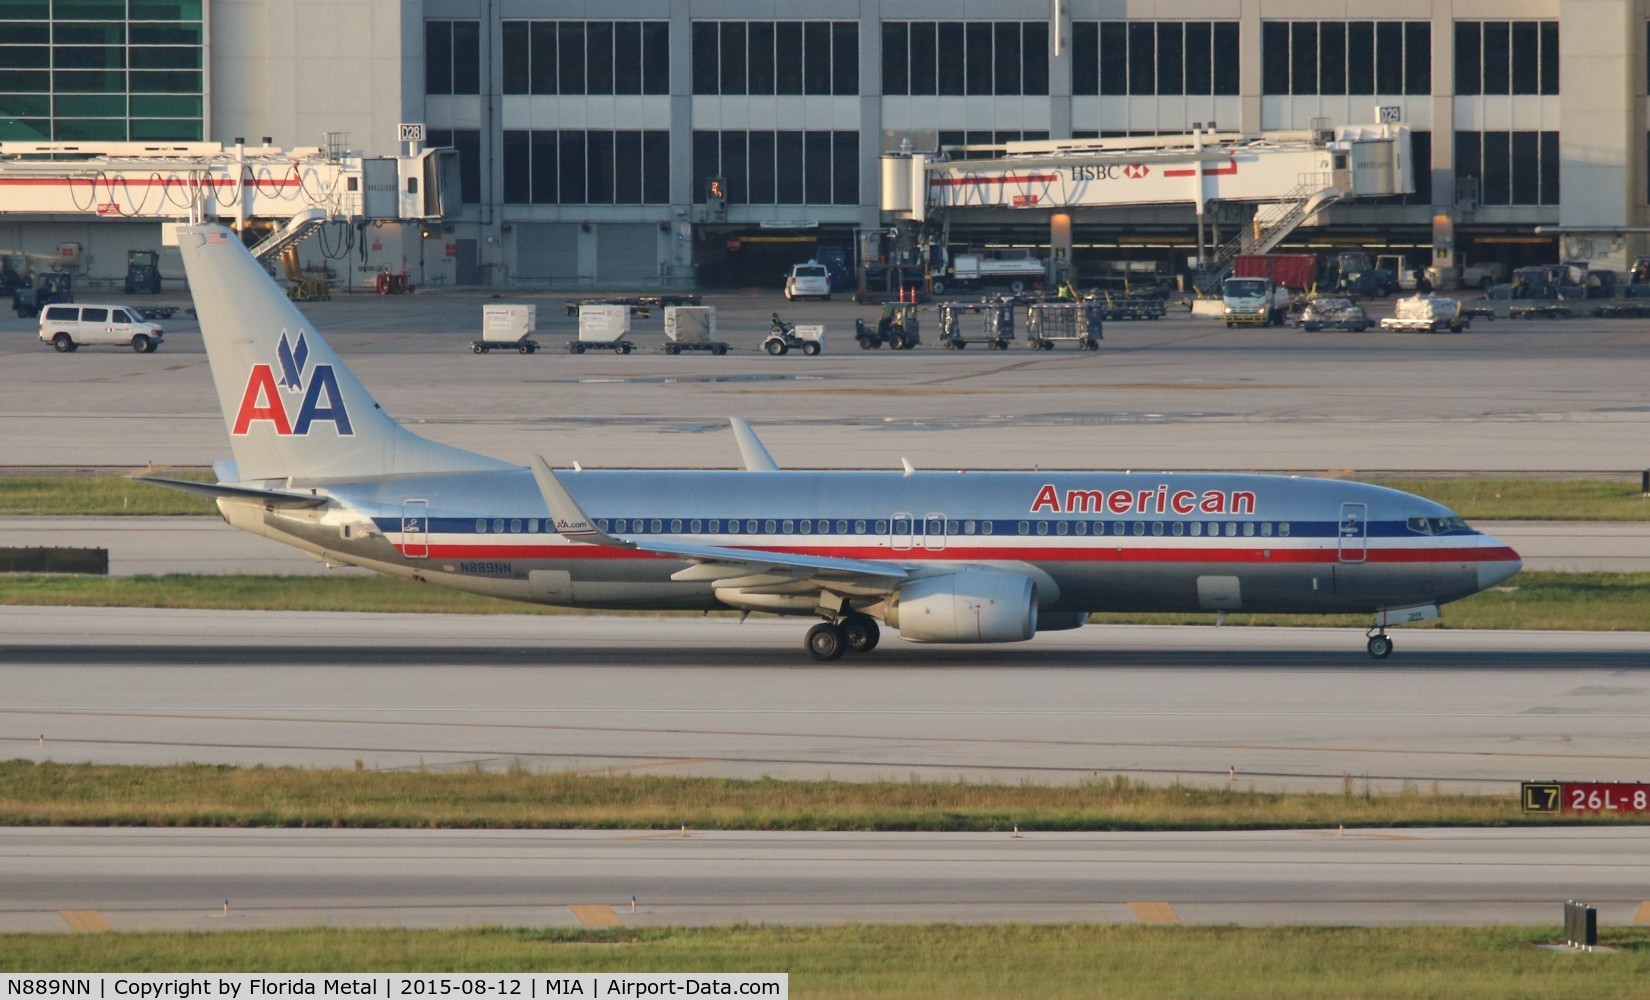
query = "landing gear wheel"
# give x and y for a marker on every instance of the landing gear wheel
(811, 348)
(860, 632)
(826, 642)
(1380, 646)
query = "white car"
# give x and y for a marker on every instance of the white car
(66, 327)
(808, 281)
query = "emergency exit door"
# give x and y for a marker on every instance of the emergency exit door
(415, 529)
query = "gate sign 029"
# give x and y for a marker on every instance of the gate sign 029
(1586, 797)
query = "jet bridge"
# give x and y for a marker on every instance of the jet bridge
(1290, 175)
(161, 181)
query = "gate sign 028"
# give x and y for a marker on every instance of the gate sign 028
(1586, 797)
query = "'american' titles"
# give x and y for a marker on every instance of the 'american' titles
(1162, 500)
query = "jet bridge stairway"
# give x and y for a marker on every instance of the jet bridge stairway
(300, 228)
(1272, 225)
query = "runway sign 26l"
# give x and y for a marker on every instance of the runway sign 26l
(1586, 797)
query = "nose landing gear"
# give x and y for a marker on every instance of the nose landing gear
(1380, 644)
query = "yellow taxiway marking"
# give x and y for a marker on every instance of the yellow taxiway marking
(1154, 913)
(596, 915)
(1643, 915)
(85, 920)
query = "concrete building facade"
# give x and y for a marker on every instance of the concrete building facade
(590, 131)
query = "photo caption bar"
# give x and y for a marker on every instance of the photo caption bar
(395, 986)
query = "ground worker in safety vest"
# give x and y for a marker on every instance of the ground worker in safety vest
(1066, 292)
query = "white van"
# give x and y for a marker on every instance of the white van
(66, 327)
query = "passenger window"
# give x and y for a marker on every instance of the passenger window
(94, 315)
(1025, 527)
(1283, 529)
(788, 527)
(968, 527)
(842, 527)
(1248, 529)
(657, 525)
(515, 525)
(1157, 527)
(750, 527)
(1231, 529)
(1266, 529)
(1179, 528)
(770, 526)
(902, 526)
(953, 527)
(1042, 527)
(601, 524)
(481, 525)
(733, 527)
(715, 526)
(1197, 529)
(859, 527)
(1061, 527)
(533, 526)
(1117, 527)
(498, 524)
(987, 527)
(697, 526)
(675, 525)
(1140, 527)
(882, 527)
(824, 526)
(806, 525)
(1082, 527)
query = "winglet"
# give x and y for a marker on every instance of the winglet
(906, 464)
(757, 458)
(569, 518)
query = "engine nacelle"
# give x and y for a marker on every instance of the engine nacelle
(971, 606)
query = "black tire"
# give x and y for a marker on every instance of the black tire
(140, 343)
(1380, 646)
(775, 347)
(576, 348)
(896, 341)
(961, 344)
(64, 343)
(1048, 345)
(720, 350)
(525, 349)
(826, 642)
(672, 349)
(866, 343)
(1310, 327)
(811, 348)
(478, 349)
(938, 287)
(1092, 344)
(860, 632)
(623, 348)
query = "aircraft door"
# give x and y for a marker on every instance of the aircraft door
(933, 532)
(1354, 532)
(900, 532)
(415, 529)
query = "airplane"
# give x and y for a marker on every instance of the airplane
(938, 556)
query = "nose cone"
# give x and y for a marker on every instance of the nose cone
(1496, 562)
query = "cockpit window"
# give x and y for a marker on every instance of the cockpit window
(1436, 525)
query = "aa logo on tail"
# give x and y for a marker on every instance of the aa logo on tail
(267, 398)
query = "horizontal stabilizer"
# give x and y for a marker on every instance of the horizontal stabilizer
(217, 491)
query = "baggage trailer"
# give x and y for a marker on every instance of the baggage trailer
(507, 328)
(1426, 314)
(994, 319)
(692, 328)
(1078, 323)
(602, 327)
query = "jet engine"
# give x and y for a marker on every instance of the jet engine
(970, 606)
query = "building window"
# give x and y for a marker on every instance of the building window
(1346, 57)
(779, 168)
(574, 167)
(1506, 57)
(452, 57)
(468, 143)
(954, 58)
(586, 57)
(1154, 58)
(1512, 168)
(776, 57)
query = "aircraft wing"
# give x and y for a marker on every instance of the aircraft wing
(717, 562)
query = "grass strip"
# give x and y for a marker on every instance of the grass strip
(1502, 499)
(98, 495)
(895, 962)
(1605, 602)
(203, 795)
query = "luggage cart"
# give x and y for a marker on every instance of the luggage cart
(507, 328)
(602, 328)
(692, 328)
(995, 321)
(1079, 323)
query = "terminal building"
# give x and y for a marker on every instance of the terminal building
(631, 143)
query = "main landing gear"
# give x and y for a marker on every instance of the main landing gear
(1380, 644)
(852, 633)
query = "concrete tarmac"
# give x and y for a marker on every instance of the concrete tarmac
(150, 545)
(1252, 707)
(1176, 393)
(182, 879)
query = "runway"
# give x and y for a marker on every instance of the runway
(182, 879)
(1282, 708)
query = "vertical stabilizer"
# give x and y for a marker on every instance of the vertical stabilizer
(292, 408)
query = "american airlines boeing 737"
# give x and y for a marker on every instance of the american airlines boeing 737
(947, 557)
